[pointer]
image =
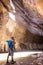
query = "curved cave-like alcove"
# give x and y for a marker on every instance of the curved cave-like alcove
(24, 22)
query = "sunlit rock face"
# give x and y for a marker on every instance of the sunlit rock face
(2, 16)
(35, 4)
(3, 20)
(29, 3)
(39, 5)
(26, 35)
(36, 24)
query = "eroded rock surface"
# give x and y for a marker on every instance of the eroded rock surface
(27, 27)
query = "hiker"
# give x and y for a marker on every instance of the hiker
(11, 47)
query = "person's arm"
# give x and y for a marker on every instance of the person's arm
(7, 42)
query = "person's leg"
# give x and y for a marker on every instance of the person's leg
(8, 58)
(12, 58)
(12, 55)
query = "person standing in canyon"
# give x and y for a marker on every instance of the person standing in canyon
(11, 48)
